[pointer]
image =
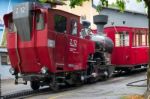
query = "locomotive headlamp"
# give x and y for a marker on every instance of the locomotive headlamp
(44, 70)
(12, 71)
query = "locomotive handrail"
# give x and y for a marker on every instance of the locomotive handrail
(115, 28)
(16, 40)
(17, 52)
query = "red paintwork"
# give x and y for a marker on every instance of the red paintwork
(35, 54)
(127, 56)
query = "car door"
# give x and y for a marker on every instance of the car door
(60, 26)
(73, 53)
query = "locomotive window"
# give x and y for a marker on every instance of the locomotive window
(39, 21)
(60, 23)
(74, 28)
(122, 39)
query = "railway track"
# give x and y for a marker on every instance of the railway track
(27, 93)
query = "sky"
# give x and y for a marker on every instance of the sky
(6, 7)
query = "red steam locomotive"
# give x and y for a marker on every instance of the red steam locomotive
(50, 47)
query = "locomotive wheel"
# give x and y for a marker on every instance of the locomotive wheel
(91, 80)
(35, 85)
(55, 87)
(106, 76)
(77, 80)
(128, 70)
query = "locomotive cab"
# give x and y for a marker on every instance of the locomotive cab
(45, 47)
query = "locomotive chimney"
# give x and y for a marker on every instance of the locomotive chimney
(100, 21)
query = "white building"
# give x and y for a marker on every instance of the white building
(128, 18)
(134, 15)
(4, 64)
(1, 32)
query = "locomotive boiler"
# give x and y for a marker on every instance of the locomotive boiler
(49, 47)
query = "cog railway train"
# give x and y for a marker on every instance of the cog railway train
(50, 47)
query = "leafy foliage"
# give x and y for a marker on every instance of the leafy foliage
(102, 3)
(73, 3)
(121, 4)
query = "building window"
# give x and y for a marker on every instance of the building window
(122, 39)
(4, 60)
(74, 27)
(60, 23)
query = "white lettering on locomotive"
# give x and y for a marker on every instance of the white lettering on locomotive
(59, 64)
(72, 65)
(73, 43)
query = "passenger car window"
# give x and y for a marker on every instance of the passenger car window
(39, 21)
(147, 41)
(122, 39)
(140, 37)
(74, 27)
(60, 23)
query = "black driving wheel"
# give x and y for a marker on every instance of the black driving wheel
(35, 85)
(55, 87)
(106, 75)
(92, 70)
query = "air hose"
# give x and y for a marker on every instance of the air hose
(133, 85)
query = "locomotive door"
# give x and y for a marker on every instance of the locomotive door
(60, 24)
(73, 53)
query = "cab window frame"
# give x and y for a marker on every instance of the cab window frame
(40, 20)
(74, 27)
(11, 25)
(60, 23)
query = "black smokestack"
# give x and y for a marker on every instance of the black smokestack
(100, 21)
